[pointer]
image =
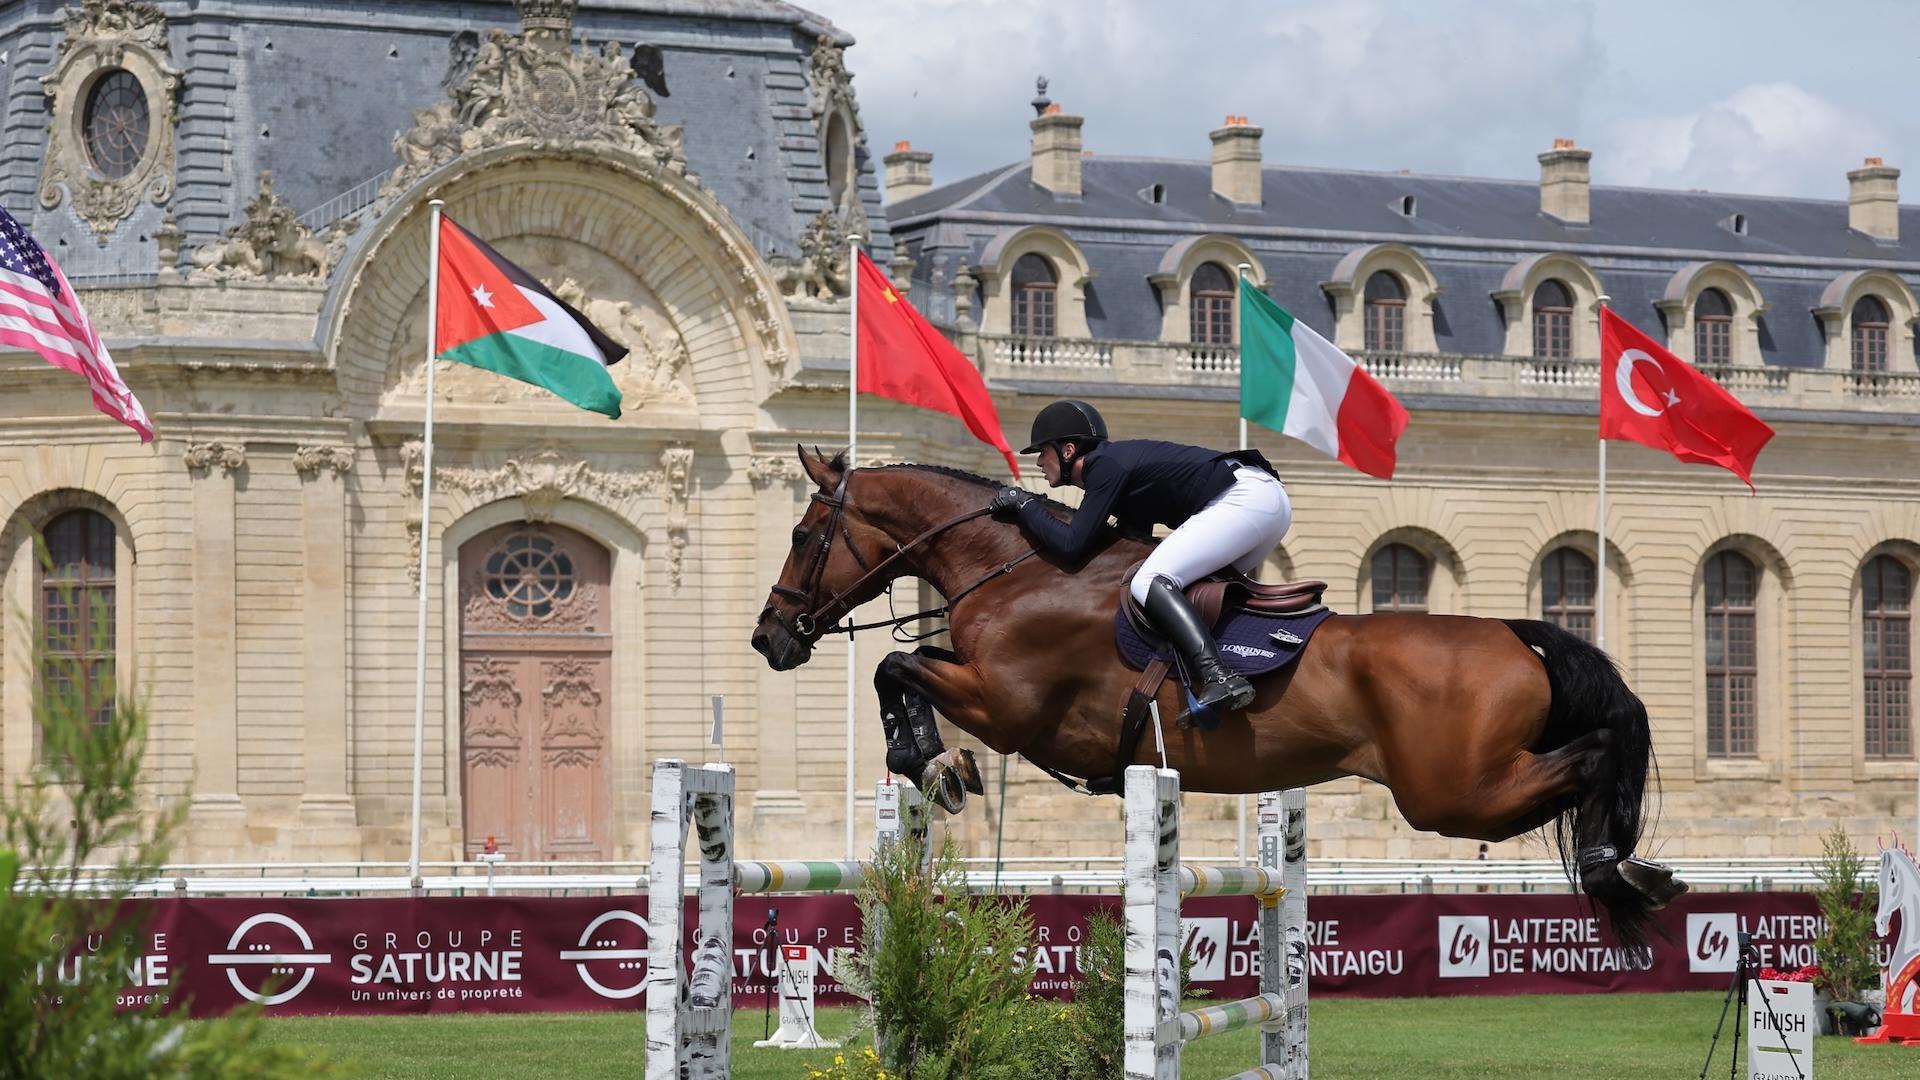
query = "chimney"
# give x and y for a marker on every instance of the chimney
(1873, 200)
(1056, 151)
(1236, 162)
(909, 172)
(1563, 182)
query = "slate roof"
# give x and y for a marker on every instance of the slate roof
(1470, 232)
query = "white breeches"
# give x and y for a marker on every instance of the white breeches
(1239, 528)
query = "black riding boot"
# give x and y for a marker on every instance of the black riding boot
(1217, 689)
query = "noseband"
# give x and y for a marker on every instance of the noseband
(817, 619)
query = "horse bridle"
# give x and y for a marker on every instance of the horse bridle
(818, 620)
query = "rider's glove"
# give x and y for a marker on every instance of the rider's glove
(1009, 500)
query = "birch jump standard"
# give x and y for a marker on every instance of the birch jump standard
(1156, 881)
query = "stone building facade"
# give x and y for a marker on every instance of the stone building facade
(240, 194)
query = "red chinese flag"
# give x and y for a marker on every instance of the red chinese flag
(904, 358)
(1650, 396)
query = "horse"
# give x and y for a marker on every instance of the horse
(1479, 728)
(1899, 880)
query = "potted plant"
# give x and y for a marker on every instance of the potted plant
(1847, 968)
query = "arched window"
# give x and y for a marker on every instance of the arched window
(1886, 648)
(1870, 323)
(1400, 577)
(1211, 306)
(1567, 582)
(1732, 658)
(1035, 287)
(76, 613)
(1712, 329)
(1552, 321)
(1386, 300)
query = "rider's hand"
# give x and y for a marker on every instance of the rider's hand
(1009, 500)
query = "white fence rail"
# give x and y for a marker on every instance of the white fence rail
(1019, 875)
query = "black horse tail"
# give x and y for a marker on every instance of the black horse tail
(1590, 697)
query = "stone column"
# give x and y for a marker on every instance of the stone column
(776, 800)
(215, 812)
(326, 804)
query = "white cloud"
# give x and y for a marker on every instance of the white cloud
(1771, 138)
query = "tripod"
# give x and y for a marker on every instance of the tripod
(772, 930)
(1744, 963)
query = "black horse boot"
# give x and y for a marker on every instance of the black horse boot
(1215, 689)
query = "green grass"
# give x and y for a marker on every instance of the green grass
(1591, 1035)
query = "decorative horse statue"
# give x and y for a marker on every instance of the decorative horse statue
(1480, 728)
(1899, 881)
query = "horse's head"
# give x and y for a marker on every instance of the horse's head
(1899, 886)
(834, 547)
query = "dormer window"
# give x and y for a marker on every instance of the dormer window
(1407, 206)
(1155, 194)
(1035, 288)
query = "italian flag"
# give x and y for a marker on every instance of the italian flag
(494, 315)
(1297, 383)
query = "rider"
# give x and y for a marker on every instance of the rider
(1225, 509)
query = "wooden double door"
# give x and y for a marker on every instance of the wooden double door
(536, 651)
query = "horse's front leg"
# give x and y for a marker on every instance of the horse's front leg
(912, 687)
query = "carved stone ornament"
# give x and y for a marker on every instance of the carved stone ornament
(766, 470)
(103, 39)
(824, 269)
(676, 467)
(539, 480)
(534, 87)
(270, 243)
(533, 592)
(230, 458)
(830, 84)
(310, 461)
(655, 369)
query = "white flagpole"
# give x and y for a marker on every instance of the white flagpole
(1240, 812)
(853, 439)
(1600, 536)
(426, 535)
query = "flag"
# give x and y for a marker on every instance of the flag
(494, 315)
(1297, 383)
(39, 311)
(904, 358)
(1652, 397)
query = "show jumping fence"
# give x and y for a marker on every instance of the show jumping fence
(690, 1015)
(1155, 883)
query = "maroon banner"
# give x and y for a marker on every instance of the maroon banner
(525, 954)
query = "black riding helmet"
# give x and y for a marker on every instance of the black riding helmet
(1067, 421)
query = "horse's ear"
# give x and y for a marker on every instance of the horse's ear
(818, 468)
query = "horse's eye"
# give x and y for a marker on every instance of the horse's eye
(799, 538)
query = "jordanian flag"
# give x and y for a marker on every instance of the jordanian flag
(496, 316)
(1297, 383)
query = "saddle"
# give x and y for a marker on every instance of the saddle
(1261, 628)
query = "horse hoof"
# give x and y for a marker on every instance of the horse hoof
(1652, 880)
(941, 784)
(969, 770)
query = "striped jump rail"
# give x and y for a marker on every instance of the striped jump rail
(797, 876)
(1260, 882)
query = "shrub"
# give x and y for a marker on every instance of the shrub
(1846, 944)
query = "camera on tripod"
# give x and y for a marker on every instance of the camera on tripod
(1749, 953)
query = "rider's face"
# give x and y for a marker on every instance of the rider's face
(1050, 465)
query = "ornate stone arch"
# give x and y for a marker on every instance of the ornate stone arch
(103, 39)
(18, 736)
(1515, 297)
(1070, 268)
(1349, 283)
(836, 119)
(1446, 583)
(1683, 292)
(1835, 312)
(664, 265)
(1176, 270)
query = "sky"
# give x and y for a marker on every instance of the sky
(1770, 97)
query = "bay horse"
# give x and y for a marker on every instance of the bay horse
(1480, 728)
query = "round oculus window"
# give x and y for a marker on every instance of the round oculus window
(116, 123)
(529, 575)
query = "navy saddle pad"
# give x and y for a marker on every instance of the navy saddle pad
(1250, 644)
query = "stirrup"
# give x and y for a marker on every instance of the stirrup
(1205, 715)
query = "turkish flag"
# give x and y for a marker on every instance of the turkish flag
(1652, 397)
(904, 358)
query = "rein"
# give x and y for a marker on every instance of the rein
(808, 624)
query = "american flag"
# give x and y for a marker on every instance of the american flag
(38, 311)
